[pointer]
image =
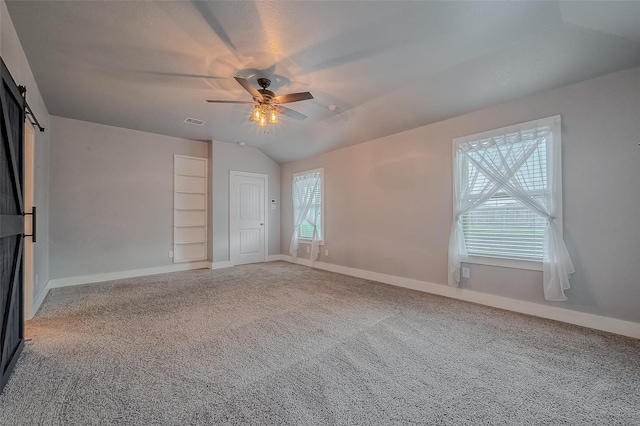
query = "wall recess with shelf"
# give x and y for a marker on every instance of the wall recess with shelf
(189, 208)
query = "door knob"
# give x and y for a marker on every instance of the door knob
(262, 224)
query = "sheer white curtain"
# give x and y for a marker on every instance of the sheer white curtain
(470, 190)
(502, 162)
(304, 187)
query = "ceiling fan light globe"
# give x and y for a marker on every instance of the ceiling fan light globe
(273, 116)
(257, 114)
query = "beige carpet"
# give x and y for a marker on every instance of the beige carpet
(283, 344)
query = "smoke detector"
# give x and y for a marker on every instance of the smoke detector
(194, 121)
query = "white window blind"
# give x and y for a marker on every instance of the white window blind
(502, 226)
(313, 192)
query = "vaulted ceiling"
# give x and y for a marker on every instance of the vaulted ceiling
(382, 67)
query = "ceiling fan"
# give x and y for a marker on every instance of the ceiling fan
(267, 106)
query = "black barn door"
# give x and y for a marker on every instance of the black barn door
(11, 225)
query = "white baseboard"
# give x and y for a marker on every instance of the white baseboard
(38, 301)
(110, 276)
(222, 264)
(611, 325)
(229, 264)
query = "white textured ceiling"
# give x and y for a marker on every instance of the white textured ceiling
(386, 66)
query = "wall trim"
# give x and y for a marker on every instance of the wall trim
(229, 264)
(221, 264)
(38, 300)
(110, 276)
(597, 322)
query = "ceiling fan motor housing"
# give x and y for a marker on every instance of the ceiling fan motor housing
(267, 95)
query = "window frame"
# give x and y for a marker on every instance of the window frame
(305, 240)
(555, 124)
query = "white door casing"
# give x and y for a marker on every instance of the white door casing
(29, 169)
(248, 236)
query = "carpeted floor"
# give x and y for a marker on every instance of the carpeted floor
(279, 343)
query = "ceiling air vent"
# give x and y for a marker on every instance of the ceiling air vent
(194, 121)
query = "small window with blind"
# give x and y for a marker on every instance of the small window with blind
(503, 230)
(308, 208)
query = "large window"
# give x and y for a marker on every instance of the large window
(308, 204)
(308, 211)
(508, 203)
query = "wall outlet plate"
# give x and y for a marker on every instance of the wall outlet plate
(170, 254)
(466, 273)
(326, 252)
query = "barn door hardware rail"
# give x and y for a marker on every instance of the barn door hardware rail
(28, 112)
(33, 224)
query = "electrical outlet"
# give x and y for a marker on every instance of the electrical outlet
(326, 252)
(170, 254)
(466, 273)
(308, 249)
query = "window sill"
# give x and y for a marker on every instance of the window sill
(305, 241)
(505, 263)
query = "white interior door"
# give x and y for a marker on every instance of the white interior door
(247, 217)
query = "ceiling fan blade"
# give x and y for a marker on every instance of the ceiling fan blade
(249, 88)
(291, 113)
(294, 97)
(177, 74)
(228, 102)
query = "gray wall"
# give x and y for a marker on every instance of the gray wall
(111, 197)
(228, 157)
(16, 61)
(389, 201)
